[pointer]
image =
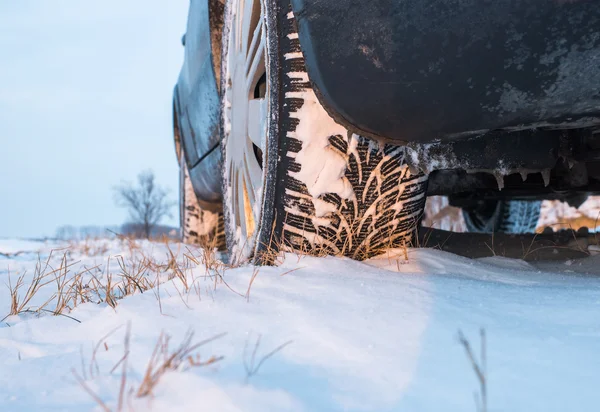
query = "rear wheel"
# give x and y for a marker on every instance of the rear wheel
(198, 225)
(506, 216)
(293, 178)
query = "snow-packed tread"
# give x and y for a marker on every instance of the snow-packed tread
(387, 202)
(510, 216)
(198, 226)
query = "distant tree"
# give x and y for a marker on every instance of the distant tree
(69, 232)
(158, 231)
(66, 232)
(135, 230)
(146, 201)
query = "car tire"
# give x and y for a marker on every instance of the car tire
(298, 181)
(505, 216)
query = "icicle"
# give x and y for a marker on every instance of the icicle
(546, 177)
(523, 174)
(499, 179)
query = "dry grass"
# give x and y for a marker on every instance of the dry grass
(90, 246)
(577, 244)
(71, 283)
(479, 368)
(164, 360)
(214, 269)
(139, 272)
(91, 284)
(90, 392)
(252, 364)
(252, 278)
(95, 370)
(135, 275)
(120, 276)
(43, 275)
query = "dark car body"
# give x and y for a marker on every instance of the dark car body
(425, 70)
(493, 84)
(196, 101)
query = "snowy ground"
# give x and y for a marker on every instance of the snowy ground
(342, 335)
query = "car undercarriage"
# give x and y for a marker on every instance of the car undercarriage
(296, 132)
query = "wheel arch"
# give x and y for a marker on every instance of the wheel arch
(196, 101)
(176, 127)
(395, 70)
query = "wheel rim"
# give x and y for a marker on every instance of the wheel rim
(244, 123)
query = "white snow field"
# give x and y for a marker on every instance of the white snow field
(333, 334)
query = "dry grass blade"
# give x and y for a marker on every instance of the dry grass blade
(163, 360)
(90, 246)
(20, 304)
(124, 371)
(63, 297)
(94, 363)
(577, 244)
(37, 311)
(250, 365)
(292, 270)
(176, 269)
(135, 275)
(180, 295)
(108, 296)
(123, 362)
(90, 392)
(254, 274)
(479, 368)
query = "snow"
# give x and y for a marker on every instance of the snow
(379, 335)
(554, 214)
(19, 246)
(560, 215)
(440, 215)
(322, 168)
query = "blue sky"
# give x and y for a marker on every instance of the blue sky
(85, 102)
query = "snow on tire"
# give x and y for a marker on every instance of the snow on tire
(342, 194)
(325, 190)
